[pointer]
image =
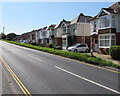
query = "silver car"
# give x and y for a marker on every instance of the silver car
(79, 47)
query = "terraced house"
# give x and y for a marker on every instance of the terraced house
(58, 34)
(105, 28)
(50, 33)
(75, 31)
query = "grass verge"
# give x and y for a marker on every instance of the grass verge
(77, 56)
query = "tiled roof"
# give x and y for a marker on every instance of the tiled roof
(53, 25)
(109, 10)
(81, 18)
(74, 20)
(67, 22)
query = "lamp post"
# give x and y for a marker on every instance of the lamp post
(3, 29)
(91, 46)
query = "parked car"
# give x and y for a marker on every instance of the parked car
(24, 41)
(79, 47)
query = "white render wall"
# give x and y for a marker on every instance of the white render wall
(92, 26)
(58, 32)
(83, 29)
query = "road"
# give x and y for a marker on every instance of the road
(44, 73)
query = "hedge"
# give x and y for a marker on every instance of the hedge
(77, 56)
(115, 52)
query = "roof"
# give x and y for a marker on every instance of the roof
(115, 5)
(67, 22)
(57, 25)
(111, 11)
(81, 18)
(74, 20)
(52, 25)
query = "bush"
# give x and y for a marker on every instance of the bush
(50, 45)
(58, 47)
(72, 55)
(115, 52)
(103, 51)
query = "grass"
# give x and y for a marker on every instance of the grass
(77, 56)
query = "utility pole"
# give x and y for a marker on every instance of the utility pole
(3, 29)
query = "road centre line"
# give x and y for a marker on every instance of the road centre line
(20, 84)
(88, 80)
(34, 57)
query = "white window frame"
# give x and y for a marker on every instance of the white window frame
(113, 19)
(110, 39)
(99, 20)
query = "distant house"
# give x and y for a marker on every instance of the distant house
(38, 38)
(32, 36)
(23, 37)
(43, 36)
(75, 31)
(50, 33)
(105, 28)
(58, 34)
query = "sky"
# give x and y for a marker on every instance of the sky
(21, 17)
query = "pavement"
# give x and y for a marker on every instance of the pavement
(106, 57)
(44, 73)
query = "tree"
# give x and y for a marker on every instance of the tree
(11, 36)
(2, 36)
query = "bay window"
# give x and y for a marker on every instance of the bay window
(64, 42)
(105, 41)
(104, 21)
(113, 21)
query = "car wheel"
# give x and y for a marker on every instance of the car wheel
(86, 50)
(75, 50)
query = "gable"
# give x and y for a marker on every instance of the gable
(102, 13)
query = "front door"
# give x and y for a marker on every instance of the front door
(95, 47)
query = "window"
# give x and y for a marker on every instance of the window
(113, 40)
(64, 29)
(73, 28)
(82, 45)
(106, 41)
(64, 42)
(104, 21)
(94, 27)
(113, 21)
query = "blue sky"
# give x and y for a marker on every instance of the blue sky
(20, 17)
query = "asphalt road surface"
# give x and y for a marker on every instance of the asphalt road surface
(44, 73)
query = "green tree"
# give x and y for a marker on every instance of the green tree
(11, 36)
(2, 36)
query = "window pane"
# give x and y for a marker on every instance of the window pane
(107, 37)
(102, 37)
(102, 42)
(106, 42)
(112, 42)
(113, 37)
(113, 21)
(64, 42)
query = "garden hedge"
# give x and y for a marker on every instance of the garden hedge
(77, 56)
(115, 52)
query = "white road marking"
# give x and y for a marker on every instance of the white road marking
(87, 80)
(34, 58)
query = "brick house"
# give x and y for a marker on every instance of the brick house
(43, 36)
(75, 31)
(105, 28)
(58, 34)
